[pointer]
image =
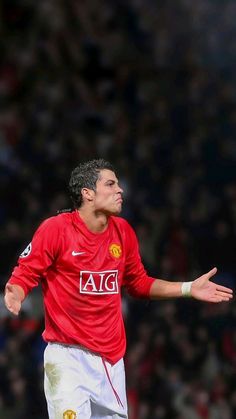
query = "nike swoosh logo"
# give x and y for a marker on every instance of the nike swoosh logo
(77, 253)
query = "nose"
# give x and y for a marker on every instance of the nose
(120, 190)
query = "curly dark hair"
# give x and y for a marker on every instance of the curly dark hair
(85, 176)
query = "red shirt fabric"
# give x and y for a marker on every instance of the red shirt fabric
(82, 273)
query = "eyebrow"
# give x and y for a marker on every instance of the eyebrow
(111, 180)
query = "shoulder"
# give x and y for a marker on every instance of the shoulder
(56, 222)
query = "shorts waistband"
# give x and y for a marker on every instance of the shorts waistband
(75, 346)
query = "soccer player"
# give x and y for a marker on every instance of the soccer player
(83, 257)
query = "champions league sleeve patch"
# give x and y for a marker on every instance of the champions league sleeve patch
(27, 251)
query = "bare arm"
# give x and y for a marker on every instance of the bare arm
(14, 296)
(201, 289)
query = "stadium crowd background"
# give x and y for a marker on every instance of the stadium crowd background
(151, 86)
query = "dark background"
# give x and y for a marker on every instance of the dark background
(150, 86)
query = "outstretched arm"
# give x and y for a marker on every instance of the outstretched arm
(201, 289)
(14, 295)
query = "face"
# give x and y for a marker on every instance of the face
(108, 194)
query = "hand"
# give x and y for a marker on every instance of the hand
(13, 298)
(205, 290)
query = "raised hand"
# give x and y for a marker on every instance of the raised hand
(205, 290)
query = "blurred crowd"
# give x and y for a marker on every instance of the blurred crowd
(150, 86)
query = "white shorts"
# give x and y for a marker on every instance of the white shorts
(79, 384)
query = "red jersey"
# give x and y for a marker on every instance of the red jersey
(82, 274)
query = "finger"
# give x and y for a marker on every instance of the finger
(224, 295)
(224, 289)
(13, 310)
(11, 307)
(219, 299)
(212, 272)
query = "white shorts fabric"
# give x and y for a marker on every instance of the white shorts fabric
(79, 384)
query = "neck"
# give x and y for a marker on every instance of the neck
(95, 222)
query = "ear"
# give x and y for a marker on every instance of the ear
(87, 194)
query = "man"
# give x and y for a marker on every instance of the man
(83, 258)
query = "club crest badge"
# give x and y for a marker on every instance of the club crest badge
(115, 250)
(27, 251)
(69, 414)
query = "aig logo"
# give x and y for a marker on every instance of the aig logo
(105, 282)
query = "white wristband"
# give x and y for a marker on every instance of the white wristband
(186, 289)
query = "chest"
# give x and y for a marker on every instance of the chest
(80, 252)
